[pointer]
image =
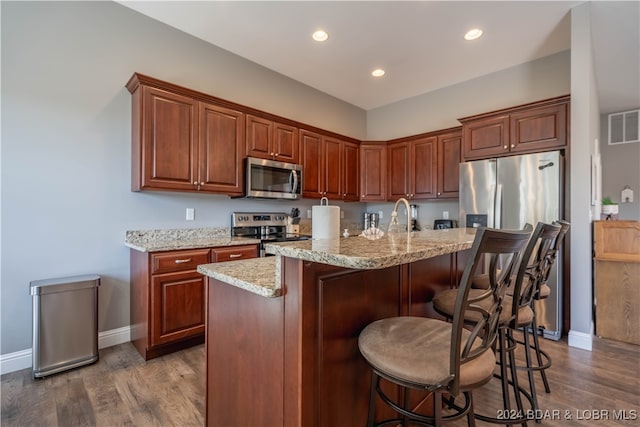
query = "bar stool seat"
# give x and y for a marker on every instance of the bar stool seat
(397, 346)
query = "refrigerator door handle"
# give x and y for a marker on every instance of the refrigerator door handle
(497, 209)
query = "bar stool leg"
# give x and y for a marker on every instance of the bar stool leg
(541, 363)
(372, 399)
(514, 371)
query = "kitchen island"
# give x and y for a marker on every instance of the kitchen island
(282, 331)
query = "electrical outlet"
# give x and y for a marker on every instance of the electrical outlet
(308, 213)
(445, 215)
(380, 215)
(191, 213)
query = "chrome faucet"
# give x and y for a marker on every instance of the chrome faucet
(393, 224)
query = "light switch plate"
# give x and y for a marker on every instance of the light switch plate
(191, 214)
(445, 215)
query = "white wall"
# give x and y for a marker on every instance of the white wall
(620, 167)
(585, 129)
(541, 79)
(66, 141)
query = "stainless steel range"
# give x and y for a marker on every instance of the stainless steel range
(266, 226)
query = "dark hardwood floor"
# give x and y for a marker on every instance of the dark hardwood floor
(587, 389)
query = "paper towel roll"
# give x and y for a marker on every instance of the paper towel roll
(325, 221)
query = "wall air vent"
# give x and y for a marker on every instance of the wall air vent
(624, 127)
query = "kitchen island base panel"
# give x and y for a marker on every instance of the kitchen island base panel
(294, 360)
(245, 360)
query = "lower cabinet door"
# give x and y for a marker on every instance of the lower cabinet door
(177, 306)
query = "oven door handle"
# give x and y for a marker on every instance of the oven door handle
(294, 186)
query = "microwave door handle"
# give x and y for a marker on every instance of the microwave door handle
(294, 187)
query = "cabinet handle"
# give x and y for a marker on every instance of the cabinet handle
(182, 261)
(344, 195)
(235, 255)
(201, 183)
(277, 154)
(513, 145)
(505, 147)
(195, 182)
(439, 194)
(363, 196)
(273, 154)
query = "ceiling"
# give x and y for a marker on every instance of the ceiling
(420, 44)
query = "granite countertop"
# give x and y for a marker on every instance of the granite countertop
(262, 276)
(361, 253)
(258, 275)
(185, 238)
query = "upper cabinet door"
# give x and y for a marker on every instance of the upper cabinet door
(312, 173)
(351, 171)
(423, 168)
(221, 150)
(539, 129)
(332, 165)
(449, 158)
(487, 137)
(373, 172)
(167, 144)
(286, 145)
(259, 137)
(398, 167)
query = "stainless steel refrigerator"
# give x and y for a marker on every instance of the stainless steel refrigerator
(509, 192)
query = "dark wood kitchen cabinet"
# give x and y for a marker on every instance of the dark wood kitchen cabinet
(168, 296)
(350, 166)
(412, 165)
(449, 158)
(330, 167)
(535, 127)
(220, 151)
(266, 139)
(373, 172)
(183, 143)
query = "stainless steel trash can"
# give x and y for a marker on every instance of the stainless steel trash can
(65, 323)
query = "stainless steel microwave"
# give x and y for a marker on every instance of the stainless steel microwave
(273, 180)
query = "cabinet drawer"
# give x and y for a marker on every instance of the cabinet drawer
(234, 253)
(166, 262)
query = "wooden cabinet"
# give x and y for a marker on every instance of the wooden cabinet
(448, 169)
(270, 140)
(534, 127)
(350, 171)
(234, 253)
(220, 150)
(330, 167)
(183, 143)
(373, 172)
(617, 287)
(412, 166)
(165, 128)
(168, 296)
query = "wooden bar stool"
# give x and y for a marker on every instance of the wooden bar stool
(447, 359)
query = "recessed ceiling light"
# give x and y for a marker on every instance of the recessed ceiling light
(473, 34)
(320, 36)
(378, 72)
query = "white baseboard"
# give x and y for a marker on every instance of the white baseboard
(580, 340)
(23, 359)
